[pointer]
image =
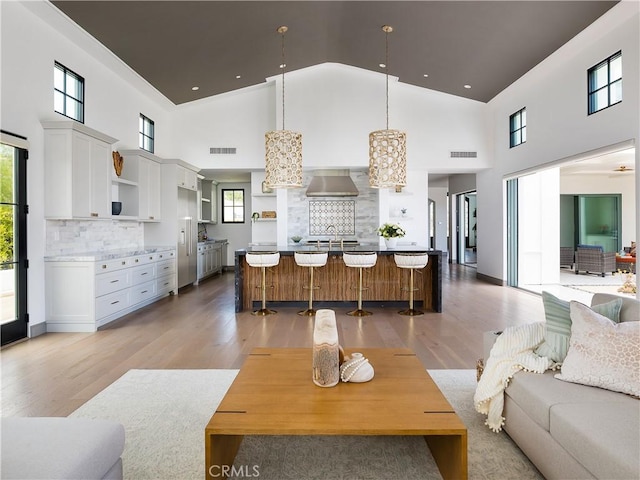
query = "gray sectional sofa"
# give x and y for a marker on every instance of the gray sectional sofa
(60, 448)
(572, 431)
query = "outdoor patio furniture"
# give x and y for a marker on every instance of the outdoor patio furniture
(626, 263)
(592, 259)
(566, 257)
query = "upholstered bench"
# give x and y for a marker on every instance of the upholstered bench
(56, 448)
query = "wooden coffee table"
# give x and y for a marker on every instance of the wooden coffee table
(273, 394)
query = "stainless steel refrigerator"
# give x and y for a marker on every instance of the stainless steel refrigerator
(187, 237)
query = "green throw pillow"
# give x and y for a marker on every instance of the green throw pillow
(558, 324)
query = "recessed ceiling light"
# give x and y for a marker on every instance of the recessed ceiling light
(195, 88)
(425, 75)
(282, 65)
(382, 65)
(238, 77)
(467, 86)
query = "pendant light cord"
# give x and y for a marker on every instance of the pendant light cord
(283, 68)
(386, 69)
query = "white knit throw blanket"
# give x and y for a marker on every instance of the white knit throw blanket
(512, 352)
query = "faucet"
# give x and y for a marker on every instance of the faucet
(335, 234)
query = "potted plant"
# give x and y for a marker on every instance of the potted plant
(391, 232)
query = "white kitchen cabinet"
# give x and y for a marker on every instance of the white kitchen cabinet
(77, 167)
(84, 293)
(141, 184)
(209, 259)
(214, 202)
(207, 204)
(186, 178)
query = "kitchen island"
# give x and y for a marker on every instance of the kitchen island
(386, 283)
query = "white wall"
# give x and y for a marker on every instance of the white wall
(554, 93)
(237, 119)
(114, 99)
(335, 107)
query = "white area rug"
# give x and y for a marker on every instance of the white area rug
(165, 412)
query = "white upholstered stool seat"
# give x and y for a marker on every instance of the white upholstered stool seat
(310, 260)
(263, 260)
(360, 260)
(411, 261)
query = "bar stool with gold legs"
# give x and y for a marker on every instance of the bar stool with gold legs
(359, 260)
(311, 260)
(263, 260)
(411, 261)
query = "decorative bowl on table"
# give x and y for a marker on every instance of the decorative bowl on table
(296, 238)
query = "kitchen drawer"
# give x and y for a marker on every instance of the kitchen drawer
(142, 292)
(112, 303)
(169, 254)
(143, 273)
(165, 284)
(112, 282)
(143, 259)
(112, 265)
(166, 267)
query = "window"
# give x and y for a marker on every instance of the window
(233, 206)
(68, 93)
(518, 128)
(147, 133)
(605, 83)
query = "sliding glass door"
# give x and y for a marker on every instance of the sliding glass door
(13, 247)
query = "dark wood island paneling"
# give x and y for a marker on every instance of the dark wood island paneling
(386, 283)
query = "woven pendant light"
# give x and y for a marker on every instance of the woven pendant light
(283, 148)
(387, 148)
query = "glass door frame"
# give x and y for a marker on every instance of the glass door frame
(17, 329)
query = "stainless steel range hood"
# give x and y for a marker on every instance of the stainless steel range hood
(332, 183)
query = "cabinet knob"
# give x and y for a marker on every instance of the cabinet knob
(104, 266)
(93, 214)
(151, 218)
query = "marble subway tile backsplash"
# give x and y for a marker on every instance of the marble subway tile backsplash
(363, 222)
(78, 236)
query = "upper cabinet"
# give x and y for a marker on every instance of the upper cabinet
(187, 178)
(142, 169)
(77, 171)
(208, 207)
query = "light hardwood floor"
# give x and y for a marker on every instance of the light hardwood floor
(55, 373)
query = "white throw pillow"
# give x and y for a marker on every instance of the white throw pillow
(602, 353)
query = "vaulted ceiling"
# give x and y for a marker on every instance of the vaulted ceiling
(219, 46)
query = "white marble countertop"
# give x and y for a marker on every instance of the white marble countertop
(100, 256)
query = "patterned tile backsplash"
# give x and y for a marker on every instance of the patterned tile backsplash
(78, 236)
(339, 214)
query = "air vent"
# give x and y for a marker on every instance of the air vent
(222, 150)
(464, 154)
